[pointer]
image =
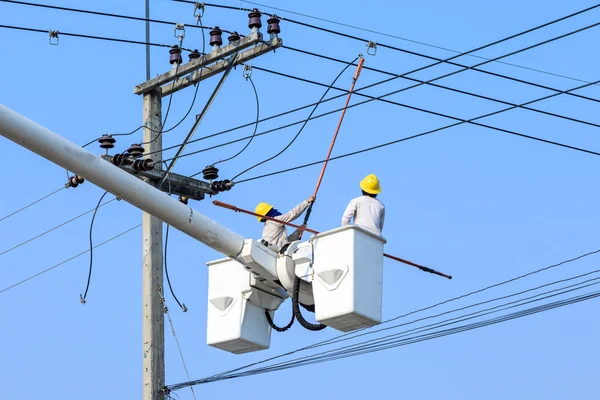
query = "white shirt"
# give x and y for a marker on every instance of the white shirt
(368, 213)
(275, 234)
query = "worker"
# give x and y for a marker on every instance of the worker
(275, 234)
(368, 212)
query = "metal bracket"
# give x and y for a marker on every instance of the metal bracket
(372, 45)
(198, 14)
(53, 35)
(247, 71)
(179, 27)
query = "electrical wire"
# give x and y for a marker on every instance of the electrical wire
(166, 311)
(82, 36)
(33, 203)
(412, 41)
(182, 306)
(383, 144)
(255, 125)
(337, 354)
(513, 105)
(430, 83)
(82, 298)
(356, 333)
(301, 128)
(67, 260)
(438, 60)
(410, 72)
(91, 12)
(53, 228)
(430, 132)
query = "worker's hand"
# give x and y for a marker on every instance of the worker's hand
(311, 199)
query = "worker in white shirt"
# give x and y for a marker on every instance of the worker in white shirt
(367, 211)
(274, 234)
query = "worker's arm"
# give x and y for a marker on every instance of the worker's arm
(349, 213)
(296, 211)
(382, 218)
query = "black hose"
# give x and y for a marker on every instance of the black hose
(298, 313)
(275, 327)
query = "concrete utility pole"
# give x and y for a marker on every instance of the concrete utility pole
(153, 336)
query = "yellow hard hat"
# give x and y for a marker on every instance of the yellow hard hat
(262, 209)
(370, 184)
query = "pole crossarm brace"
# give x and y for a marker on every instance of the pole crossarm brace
(221, 66)
(194, 65)
(176, 184)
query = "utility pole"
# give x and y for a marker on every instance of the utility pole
(153, 336)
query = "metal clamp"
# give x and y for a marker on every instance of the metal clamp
(372, 45)
(179, 27)
(198, 14)
(247, 71)
(53, 35)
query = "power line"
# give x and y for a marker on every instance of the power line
(69, 259)
(104, 14)
(255, 125)
(87, 286)
(79, 35)
(419, 81)
(182, 306)
(340, 353)
(352, 335)
(301, 128)
(437, 130)
(413, 41)
(53, 228)
(410, 87)
(33, 203)
(412, 52)
(387, 143)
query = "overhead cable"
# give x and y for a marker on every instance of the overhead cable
(54, 228)
(67, 260)
(32, 203)
(301, 128)
(413, 41)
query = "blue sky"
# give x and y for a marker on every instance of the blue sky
(479, 204)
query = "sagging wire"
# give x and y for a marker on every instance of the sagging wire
(83, 297)
(166, 311)
(181, 305)
(303, 125)
(247, 72)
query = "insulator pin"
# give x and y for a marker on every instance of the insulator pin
(222, 186)
(216, 37)
(194, 54)
(175, 57)
(273, 27)
(254, 19)
(234, 37)
(107, 142)
(135, 150)
(183, 199)
(210, 172)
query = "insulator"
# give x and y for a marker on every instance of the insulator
(143, 165)
(121, 159)
(210, 173)
(254, 19)
(234, 37)
(74, 181)
(107, 142)
(135, 150)
(221, 186)
(183, 199)
(273, 27)
(175, 53)
(194, 54)
(215, 37)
